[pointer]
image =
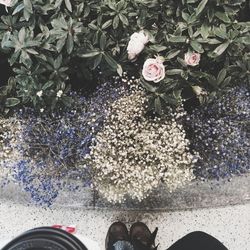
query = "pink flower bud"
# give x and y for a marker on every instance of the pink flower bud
(192, 58)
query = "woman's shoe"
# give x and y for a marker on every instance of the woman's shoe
(142, 238)
(117, 232)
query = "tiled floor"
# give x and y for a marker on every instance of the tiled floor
(231, 225)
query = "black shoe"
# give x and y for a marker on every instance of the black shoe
(142, 238)
(117, 232)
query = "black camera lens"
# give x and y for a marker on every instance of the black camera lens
(45, 238)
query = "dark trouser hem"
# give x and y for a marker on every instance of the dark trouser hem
(198, 241)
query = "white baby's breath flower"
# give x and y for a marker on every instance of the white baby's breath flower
(39, 93)
(59, 93)
(134, 153)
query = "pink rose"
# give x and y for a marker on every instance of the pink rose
(192, 58)
(7, 3)
(136, 44)
(153, 70)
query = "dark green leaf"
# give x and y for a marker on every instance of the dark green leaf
(223, 17)
(220, 49)
(28, 6)
(201, 7)
(124, 19)
(221, 76)
(103, 41)
(90, 54)
(58, 62)
(174, 72)
(169, 99)
(70, 43)
(68, 5)
(158, 106)
(47, 85)
(18, 8)
(14, 57)
(21, 35)
(148, 86)
(196, 46)
(92, 26)
(112, 62)
(205, 31)
(5, 39)
(11, 102)
(106, 24)
(119, 70)
(158, 48)
(244, 40)
(172, 54)
(97, 60)
(226, 82)
(116, 22)
(210, 15)
(177, 39)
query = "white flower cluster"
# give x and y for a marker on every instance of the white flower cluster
(133, 154)
(9, 139)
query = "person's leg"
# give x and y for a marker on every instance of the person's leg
(198, 241)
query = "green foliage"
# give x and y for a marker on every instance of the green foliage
(6, 101)
(43, 39)
(33, 35)
(206, 27)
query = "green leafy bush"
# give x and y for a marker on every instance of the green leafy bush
(49, 43)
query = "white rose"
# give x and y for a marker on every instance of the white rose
(140, 36)
(7, 3)
(136, 44)
(192, 58)
(153, 70)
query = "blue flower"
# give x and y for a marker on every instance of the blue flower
(53, 146)
(219, 131)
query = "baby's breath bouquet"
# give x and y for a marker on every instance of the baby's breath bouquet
(134, 152)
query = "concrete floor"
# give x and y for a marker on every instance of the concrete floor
(231, 224)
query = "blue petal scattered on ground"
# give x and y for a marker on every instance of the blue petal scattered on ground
(219, 131)
(53, 146)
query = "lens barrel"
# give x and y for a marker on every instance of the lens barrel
(45, 238)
